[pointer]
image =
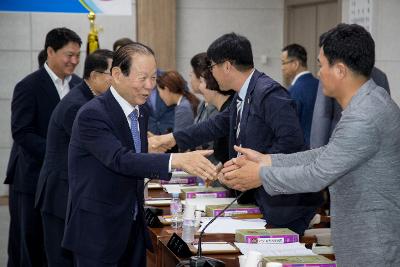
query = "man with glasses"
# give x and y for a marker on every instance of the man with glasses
(52, 190)
(262, 116)
(302, 85)
(33, 101)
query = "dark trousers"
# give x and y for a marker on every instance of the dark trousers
(25, 241)
(133, 256)
(53, 230)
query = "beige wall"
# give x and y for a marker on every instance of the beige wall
(201, 22)
(22, 36)
(386, 33)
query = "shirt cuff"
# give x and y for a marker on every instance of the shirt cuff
(169, 163)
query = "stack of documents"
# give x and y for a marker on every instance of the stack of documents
(288, 249)
(201, 203)
(228, 225)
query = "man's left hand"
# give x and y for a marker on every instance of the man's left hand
(243, 176)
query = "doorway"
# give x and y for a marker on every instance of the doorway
(306, 20)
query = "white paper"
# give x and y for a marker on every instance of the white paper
(228, 225)
(288, 249)
(154, 185)
(158, 202)
(172, 188)
(180, 174)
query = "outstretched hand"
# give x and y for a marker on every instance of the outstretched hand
(195, 163)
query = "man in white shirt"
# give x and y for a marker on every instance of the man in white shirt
(108, 162)
(33, 101)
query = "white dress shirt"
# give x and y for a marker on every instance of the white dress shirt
(62, 86)
(127, 108)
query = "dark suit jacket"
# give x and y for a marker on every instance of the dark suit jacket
(33, 101)
(106, 179)
(304, 92)
(52, 189)
(327, 111)
(269, 124)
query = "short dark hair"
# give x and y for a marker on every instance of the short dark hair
(121, 42)
(296, 51)
(234, 48)
(59, 37)
(42, 57)
(199, 63)
(97, 61)
(351, 44)
(123, 56)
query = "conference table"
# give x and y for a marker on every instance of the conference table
(162, 256)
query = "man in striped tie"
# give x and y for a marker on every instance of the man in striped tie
(108, 161)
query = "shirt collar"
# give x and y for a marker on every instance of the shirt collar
(126, 107)
(54, 76)
(298, 76)
(179, 100)
(243, 90)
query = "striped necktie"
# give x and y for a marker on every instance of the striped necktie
(138, 148)
(239, 106)
(135, 130)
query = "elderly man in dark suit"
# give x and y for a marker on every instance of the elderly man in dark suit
(261, 116)
(52, 189)
(107, 164)
(33, 101)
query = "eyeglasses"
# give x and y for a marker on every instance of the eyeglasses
(212, 66)
(287, 62)
(103, 72)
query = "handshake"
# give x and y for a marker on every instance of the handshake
(241, 173)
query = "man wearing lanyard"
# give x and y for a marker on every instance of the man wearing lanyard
(262, 116)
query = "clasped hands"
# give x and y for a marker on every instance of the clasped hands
(241, 173)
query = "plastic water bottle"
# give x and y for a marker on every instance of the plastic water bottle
(176, 211)
(189, 224)
(188, 230)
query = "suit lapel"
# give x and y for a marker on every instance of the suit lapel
(119, 120)
(246, 106)
(48, 86)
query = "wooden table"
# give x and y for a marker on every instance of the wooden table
(169, 259)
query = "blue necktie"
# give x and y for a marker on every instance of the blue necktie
(136, 140)
(135, 131)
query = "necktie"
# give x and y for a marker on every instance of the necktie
(135, 130)
(239, 106)
(136, 140)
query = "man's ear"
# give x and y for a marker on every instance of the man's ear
(116, 74)
(50, 51)
(228, 66)
(341, 70)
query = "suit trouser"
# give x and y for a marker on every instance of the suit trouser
(53, 230)
(133, 256)
(25, 243)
